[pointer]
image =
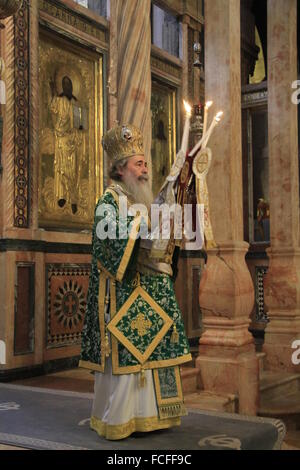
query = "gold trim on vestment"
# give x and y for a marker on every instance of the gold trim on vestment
(117, 370)
(112, 326)
(105, 271)
(202, 198)
(121, 431)
(114, 194)
(101, 304)
(172, 406)
(131, 242)
(113, 300)
(129, 248)
(165, 401)
(91, 366)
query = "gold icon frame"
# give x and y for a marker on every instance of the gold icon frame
(58, 57)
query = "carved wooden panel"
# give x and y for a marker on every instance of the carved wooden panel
(62, 14)
(24, 309)
(66, 295)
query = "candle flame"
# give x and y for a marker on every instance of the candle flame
(218, 116)
(187, 107)
(208, 104)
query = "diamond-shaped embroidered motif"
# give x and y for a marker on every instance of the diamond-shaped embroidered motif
(140, 324)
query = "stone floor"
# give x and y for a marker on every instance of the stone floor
(2, 447)
(77, 380)
(74, 380)
(81, 380)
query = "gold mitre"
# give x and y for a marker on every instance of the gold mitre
(123, 142)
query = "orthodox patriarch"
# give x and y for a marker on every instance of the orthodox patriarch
(133, 336)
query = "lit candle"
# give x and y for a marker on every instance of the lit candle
(197, 146)
(186, 131)
(206, 108)
(214, 123)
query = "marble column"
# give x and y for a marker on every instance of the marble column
(282, 283)
(134, 70)
(227, 358)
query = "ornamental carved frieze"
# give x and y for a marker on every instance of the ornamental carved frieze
(260, 313)
(166, 69)
(21, 173)
(58, 12)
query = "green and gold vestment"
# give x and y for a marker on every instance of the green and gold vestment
(148, 314)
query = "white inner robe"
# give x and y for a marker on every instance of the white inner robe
(120, 398)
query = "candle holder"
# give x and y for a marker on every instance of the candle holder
(197, 50)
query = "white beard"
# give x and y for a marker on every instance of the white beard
(140, 189)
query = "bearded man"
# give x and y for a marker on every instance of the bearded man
(133, 336)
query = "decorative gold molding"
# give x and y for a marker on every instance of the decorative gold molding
(163, 107)
(56, 54)
(255, 98)
(163, 68)
(34, 115)
(73, 19)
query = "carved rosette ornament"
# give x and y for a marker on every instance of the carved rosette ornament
(9, 8)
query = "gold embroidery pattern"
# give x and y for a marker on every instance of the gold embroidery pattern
(129, 248)
(121, 431)
(172, 406)
(141, 324)
(113, 328)
(90, 366)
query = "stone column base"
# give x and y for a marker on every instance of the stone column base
(231, 370)
(227, 358)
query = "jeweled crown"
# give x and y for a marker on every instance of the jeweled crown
(123, 142)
